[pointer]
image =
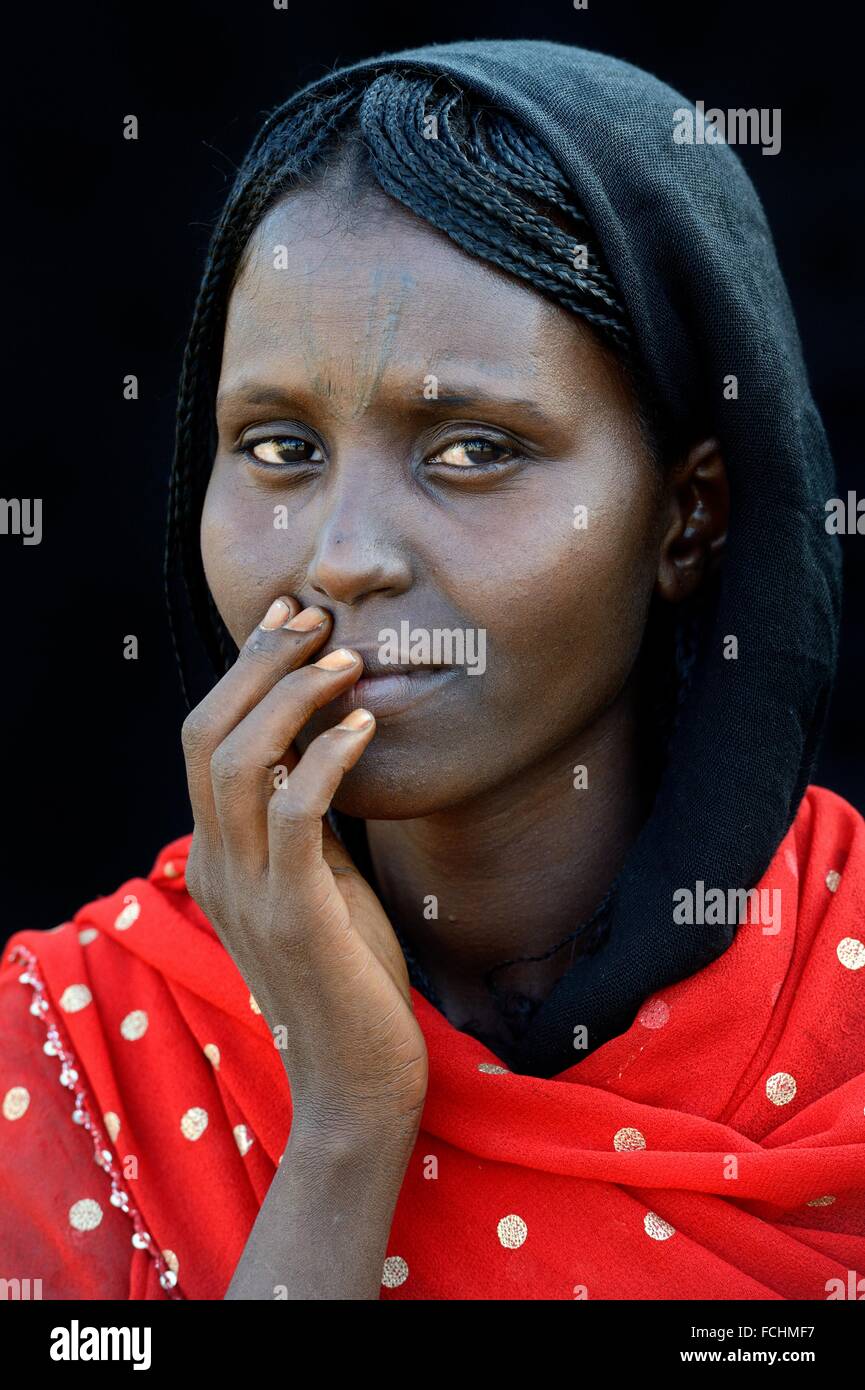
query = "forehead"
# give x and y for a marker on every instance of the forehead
(327, 280)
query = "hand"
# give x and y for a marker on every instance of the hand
(307, 932)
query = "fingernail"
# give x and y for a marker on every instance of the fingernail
(337, 661)
(306, 620)
(275, 615)
(358, 719)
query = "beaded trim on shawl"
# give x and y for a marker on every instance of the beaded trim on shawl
(57, 1046)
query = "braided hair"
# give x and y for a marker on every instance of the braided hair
(492, 187)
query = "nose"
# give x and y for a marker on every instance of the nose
(355, 555)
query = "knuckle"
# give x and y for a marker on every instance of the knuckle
(307, 693)
(287, 815)
(334, 746)
(194, 732)
(259, 647)
(334, 755)
(226, 766)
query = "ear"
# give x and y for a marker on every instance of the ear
(699, 514)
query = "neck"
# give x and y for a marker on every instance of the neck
(513, 872)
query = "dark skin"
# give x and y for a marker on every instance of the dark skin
(452, 512)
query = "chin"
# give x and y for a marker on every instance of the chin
(385, 786)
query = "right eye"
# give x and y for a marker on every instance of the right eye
(281, 449)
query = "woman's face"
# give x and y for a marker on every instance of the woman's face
(427, 432)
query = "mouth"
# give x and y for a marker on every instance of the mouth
(387, 691)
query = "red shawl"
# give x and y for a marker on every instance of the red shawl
(714, 1150)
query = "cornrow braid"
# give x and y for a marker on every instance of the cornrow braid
(482, 212)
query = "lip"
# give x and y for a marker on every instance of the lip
(390, 691)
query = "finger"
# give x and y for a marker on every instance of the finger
(272, 649)
(295, 811)
(257, 757)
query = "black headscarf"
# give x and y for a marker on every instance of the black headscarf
(687, 243)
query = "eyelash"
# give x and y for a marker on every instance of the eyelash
(490, 466)
(507, 455)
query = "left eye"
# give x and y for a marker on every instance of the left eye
(468, 453)
(285, 448)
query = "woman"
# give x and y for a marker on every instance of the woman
(447, 995)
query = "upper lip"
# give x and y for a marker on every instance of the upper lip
(374, 666)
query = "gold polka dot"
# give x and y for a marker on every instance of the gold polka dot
(211, 1052)
(253, 1005)
(112, 1124)
(512, 1231)
(85, 1215)
(171, 870)
(654, 1014)
(656, 1227)
(194, 1123)
(243, 1139)
(15, 1102)
(821, 1202)
(171, 1260)
(134, 1025)
(851, 953)
(626, 1140)
(395, 1272)
(74, 998)
(781, 1088)
(833, 879)
(86, 935)
(128, 914)
(492, 1069)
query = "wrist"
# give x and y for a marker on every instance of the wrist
(381, 1142)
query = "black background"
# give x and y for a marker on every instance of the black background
(107, 244)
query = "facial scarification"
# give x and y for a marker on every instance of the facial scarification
(373, 349)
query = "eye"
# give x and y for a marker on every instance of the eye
(282, 449)
(472, 452)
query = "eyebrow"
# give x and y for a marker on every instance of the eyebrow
(260, 394)
(253, 395)
(483, 398)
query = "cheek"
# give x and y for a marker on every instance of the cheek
(569, 606)
(248, 561)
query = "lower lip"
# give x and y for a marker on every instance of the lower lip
(391, 695)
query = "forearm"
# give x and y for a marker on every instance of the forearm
(323, 1227)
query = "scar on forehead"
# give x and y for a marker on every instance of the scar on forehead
(389, 292)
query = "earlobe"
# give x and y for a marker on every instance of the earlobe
(699, 512)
